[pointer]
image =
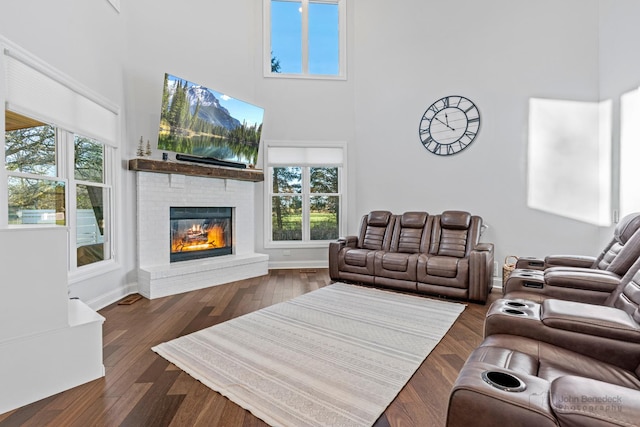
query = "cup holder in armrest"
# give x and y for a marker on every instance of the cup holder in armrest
(514, 311)
(503, 381)
(515, 304)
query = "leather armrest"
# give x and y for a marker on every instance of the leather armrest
(473, 402)
(596, 320)
(349, 240)
(334, 250)
(530, 263)
(486, 247)
(569, 261)
(579, 401)
(581, 279)
(481, 271)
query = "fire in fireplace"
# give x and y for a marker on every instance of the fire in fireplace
(200, 232)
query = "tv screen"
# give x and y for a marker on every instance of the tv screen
(199, 121)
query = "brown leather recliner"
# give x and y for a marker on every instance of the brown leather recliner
(591, 285)
(607, 260)
(352, 258)
(415, 251)
(556, 363)
(447, 266)
(397, 267)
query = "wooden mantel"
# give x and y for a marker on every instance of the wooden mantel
(182, 168)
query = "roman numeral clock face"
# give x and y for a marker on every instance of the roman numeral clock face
(449, 125)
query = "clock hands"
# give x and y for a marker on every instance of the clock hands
(446, 124)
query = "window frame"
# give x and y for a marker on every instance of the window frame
(305, 193)
(98, 108)
(304, 74)
(65, 172)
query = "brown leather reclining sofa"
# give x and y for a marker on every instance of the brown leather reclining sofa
(580, 278)
(562, 347)
(557, 363)
(431, 254)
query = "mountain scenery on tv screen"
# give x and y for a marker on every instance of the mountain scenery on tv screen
(202, 122)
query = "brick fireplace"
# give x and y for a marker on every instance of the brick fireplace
(160, 190)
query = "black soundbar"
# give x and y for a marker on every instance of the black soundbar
(210, 161)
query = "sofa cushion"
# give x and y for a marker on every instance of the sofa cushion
(413, 219)
(395, 261)
(409, 240)
(408, 232)
(627, 227)
(578, 401)
(442, 266)
(356, 257)
(379, 218)
(455, 220)
(376, 229)
(453, 243)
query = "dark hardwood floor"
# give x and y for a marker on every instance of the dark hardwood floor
(142, 389)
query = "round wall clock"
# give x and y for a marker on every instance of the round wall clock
(449, 125)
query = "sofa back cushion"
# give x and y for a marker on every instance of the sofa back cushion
(623, 249)
(454, 234)
(629, 299)
(408, 232)
(375, 230)
(626, 256)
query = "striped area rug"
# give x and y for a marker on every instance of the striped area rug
(337, 356)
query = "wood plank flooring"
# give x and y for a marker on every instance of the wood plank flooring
(142, 389)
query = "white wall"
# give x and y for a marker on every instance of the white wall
(84, 40)
(219, 44)
(401, 58)
(619, 65)
(498, 53)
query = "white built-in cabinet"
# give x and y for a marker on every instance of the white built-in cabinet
(48, 343)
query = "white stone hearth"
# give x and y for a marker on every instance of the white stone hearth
(157, 192)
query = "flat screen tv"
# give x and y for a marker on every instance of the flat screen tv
(201, 122)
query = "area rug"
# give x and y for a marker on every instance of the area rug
(337, 356)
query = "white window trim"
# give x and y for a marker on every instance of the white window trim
(342, 42)
(10, 50)
(268, 191)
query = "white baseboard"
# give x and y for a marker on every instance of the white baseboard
(114, 295)
(297, 264)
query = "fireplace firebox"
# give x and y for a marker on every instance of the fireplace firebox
(200, 232)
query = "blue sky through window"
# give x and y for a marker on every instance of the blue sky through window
(323, 38)
(286, 37)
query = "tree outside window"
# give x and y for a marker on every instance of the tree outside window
(38, 187)
(305, 203)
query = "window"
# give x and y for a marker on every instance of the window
(36, 193)
(305, 195)
(38, 186)
(92, 200)
(59, 147)
(305, 38)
